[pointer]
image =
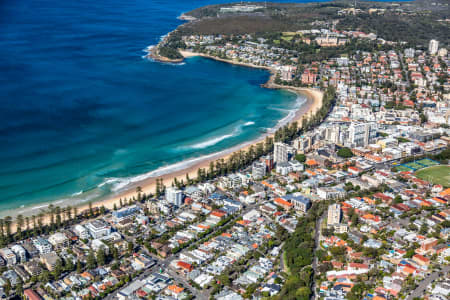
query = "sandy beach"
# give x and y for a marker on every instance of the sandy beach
(312, 104)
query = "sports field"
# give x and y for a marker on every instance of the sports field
(402, 168)
(414, 166)
(427, 162)
(436, 175)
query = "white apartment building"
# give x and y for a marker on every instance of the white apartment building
(81, 231)
(42, 245)
(258, 170)
(58, 240)
(280, 153)
(334, 214)
(174, 196)
(433, 47)
(360, 134)
(98, 229)
(20, 252)
(9, 256)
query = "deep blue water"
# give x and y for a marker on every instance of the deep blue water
(80, 107)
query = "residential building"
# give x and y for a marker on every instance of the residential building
(433, 47)
(334, 214)
(98, 228)
(42, 245)
(9, 256)
(330, 193)
(58, 240)
(124, 213)
(360, 134)
(299, 202)
(50, 260)
(20, 252)
(81, 231)
(29, 294)
(280, 153)
(174, 196)
(258, 170)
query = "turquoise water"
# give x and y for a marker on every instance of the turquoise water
(83, 115)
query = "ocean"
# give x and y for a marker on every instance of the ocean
(83, 114)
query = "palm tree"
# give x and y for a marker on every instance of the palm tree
(51, 211)
(40, 220)
(19, 222)
(58, 216)
(8, 222)
(63, 214)
(75, 212)
(2, 230)
(27, 222)
(33, 217)
(91, 210)
(69, 212)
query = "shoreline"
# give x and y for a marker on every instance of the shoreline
(148, 185)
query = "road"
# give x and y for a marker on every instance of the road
(165, 263)
(419, 291)
(315, 261)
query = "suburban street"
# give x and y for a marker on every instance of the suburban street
(317, 244)
(419, 291)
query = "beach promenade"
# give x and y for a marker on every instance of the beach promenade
(312, 104)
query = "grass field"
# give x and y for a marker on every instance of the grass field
(414, 165)
(403, 168)
(436, 175)
(427, 162)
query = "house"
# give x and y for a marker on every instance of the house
(184, 266)
(421, 260)
(175, 291)
(29, 294)
(283, 203)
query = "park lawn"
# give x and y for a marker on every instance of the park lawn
(436, 175)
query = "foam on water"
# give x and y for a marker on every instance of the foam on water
(211, 142)
(77, 193)
(69, 125)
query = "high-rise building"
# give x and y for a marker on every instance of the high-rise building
(268, 160)
(332, 133)
(174, 196)
(433, 47)
(280, 153)
(258, 170)
(286, 73)
(360, 134)
(334, 214)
